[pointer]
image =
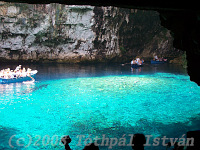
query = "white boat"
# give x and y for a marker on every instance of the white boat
(8, 76)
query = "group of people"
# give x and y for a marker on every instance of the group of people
(18, 72)
(136, 62)
(138, 142)
(155, 58)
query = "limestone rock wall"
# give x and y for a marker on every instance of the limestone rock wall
(71, 33)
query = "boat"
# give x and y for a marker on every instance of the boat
(135, 65)
(13, 77)
(158, 62)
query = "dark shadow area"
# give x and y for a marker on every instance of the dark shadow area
(6, 135)
(173, 130)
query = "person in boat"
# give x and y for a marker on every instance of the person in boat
(155, 58)
(28, 72)
(20, 73)
(141, 62)
(133, 63)
(164, 59)
(8, 74)
(1, 73)
(24, 73)
(11, 74)
(18, 68)
(4, 74)
(137, 61)
(15, 74)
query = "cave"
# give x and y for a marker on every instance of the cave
(77, 101)
(181, 18)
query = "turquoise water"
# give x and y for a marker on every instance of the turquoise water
(155, 103)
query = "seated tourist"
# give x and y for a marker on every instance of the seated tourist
(156, 57)
(133, 63)
(18, 68)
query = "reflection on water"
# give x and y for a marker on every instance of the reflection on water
(61, 71)
(100, 99)
(13, 88)
(9, 92)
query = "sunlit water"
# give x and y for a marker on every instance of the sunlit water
(114, 101)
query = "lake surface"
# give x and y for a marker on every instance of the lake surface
(97, 101)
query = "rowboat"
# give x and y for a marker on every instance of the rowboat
(158, 62)
(135, 65)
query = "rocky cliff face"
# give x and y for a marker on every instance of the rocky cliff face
(71, 33)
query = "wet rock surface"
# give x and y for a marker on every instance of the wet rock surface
(73, 34)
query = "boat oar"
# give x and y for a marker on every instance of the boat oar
(32, 78)
(125, 64)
